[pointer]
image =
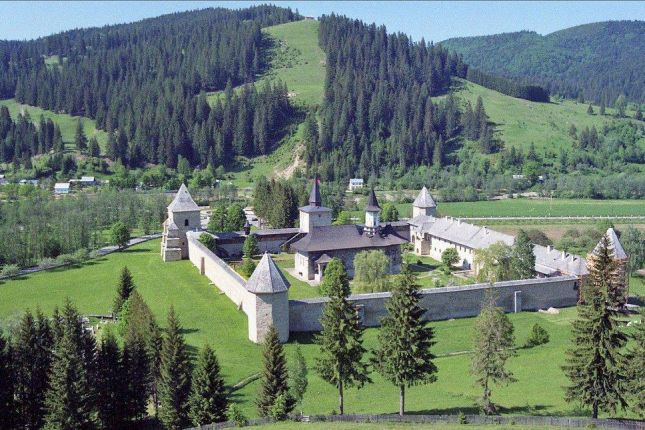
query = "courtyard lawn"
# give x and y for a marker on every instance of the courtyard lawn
(209, 317)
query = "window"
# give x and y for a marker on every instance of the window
(186, 223)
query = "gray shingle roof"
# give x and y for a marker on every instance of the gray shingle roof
(336, 237)
(549, 260)
(183, 202)
(424, 199)
(615, 247)
(267, 278)
(314, 196)
(463, 233)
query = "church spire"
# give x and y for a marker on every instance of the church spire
(314, 196)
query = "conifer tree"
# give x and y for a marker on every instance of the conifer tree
(7, 405)
(522, 257)
(250, 247)
(208, 397)
(403, 356)
(341, 340)
(635, 360)
(298, 376)
(79, 137)
(174, 387)
(590, 109)
(32, 360)
(594, 360)
(94, 148)
(136, 368)
(124, 290)
(110, 383)
(69, 399)
(602, 107)
(492, 343)
(274, 382)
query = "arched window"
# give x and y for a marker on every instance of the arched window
(186, 223)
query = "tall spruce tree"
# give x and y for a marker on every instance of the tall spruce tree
(7, 405)
(493, 341)
(208, 397)
(174, 387)
(79, 137)
(124, 289)
(635, 360)
(136, 390)
(32, 360)
(274, 382)
(341, 340)
(110, 381)
(522, 257)
(298, 375)
(403, 356)
(69, 399)
(594, 363)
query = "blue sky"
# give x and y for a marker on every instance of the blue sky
(434, 21)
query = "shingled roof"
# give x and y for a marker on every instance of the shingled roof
(424, 199)
(183, 202)
(615, 248)
(267, 278)
(336, 237)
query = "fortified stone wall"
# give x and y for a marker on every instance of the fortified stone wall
(215, 269)
(448, 302)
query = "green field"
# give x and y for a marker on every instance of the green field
(520, 122)
(392, 426)
(209, 317)
(67, 123)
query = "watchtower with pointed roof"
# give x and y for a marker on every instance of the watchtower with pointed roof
(314, 214)
(183, 216)
(618, 254)
(270, 291)
(424, 204)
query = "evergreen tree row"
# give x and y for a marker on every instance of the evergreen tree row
(377, 111)
(507, 86)
(22, 139)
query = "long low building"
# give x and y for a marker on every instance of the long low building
(431, 235)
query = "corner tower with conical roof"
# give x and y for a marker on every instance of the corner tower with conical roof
(424, 204)
(314, 214)
(270, 291)
(372, 214)
(183, 216)
(621, 259)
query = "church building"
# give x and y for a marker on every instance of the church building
(323, 241)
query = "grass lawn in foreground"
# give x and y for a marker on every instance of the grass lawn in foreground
(209, 317)
(392, 426)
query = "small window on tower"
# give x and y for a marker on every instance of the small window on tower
(186, 223)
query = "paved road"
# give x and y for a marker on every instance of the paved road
(102, 251)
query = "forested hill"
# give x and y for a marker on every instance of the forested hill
(600, 61)
(139, 82)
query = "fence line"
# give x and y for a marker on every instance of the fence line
(569, 422)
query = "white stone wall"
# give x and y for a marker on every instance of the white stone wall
(448, 302)
(435, 246)
(314, 219)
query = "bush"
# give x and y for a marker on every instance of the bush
(9, 270)
(247, 267)
(81, 255)
(461, 418)
(278, 412)
(208, 241)
(47, 263)
(539, 336)
(235, 414)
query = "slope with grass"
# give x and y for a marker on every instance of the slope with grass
(209, 317)
(520, 122)
(67, 123)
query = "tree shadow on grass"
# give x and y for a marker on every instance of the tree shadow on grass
(474, 409)
(134, 251)
(303, 338)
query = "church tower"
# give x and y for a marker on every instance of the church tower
(183, 216)
(424, 204)
(372, 214)
(314, 214)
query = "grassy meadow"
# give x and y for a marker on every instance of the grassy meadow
(209, 317)
(67, 123)
(521, 122)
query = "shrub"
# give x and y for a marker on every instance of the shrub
(47, 263)
(9, 270)
(250, 247)
(208, 241)
(278, 411)
(461, 418)
(449, 257)
(81, 255)
(247, 267)
(236, 415)
(539, 336)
